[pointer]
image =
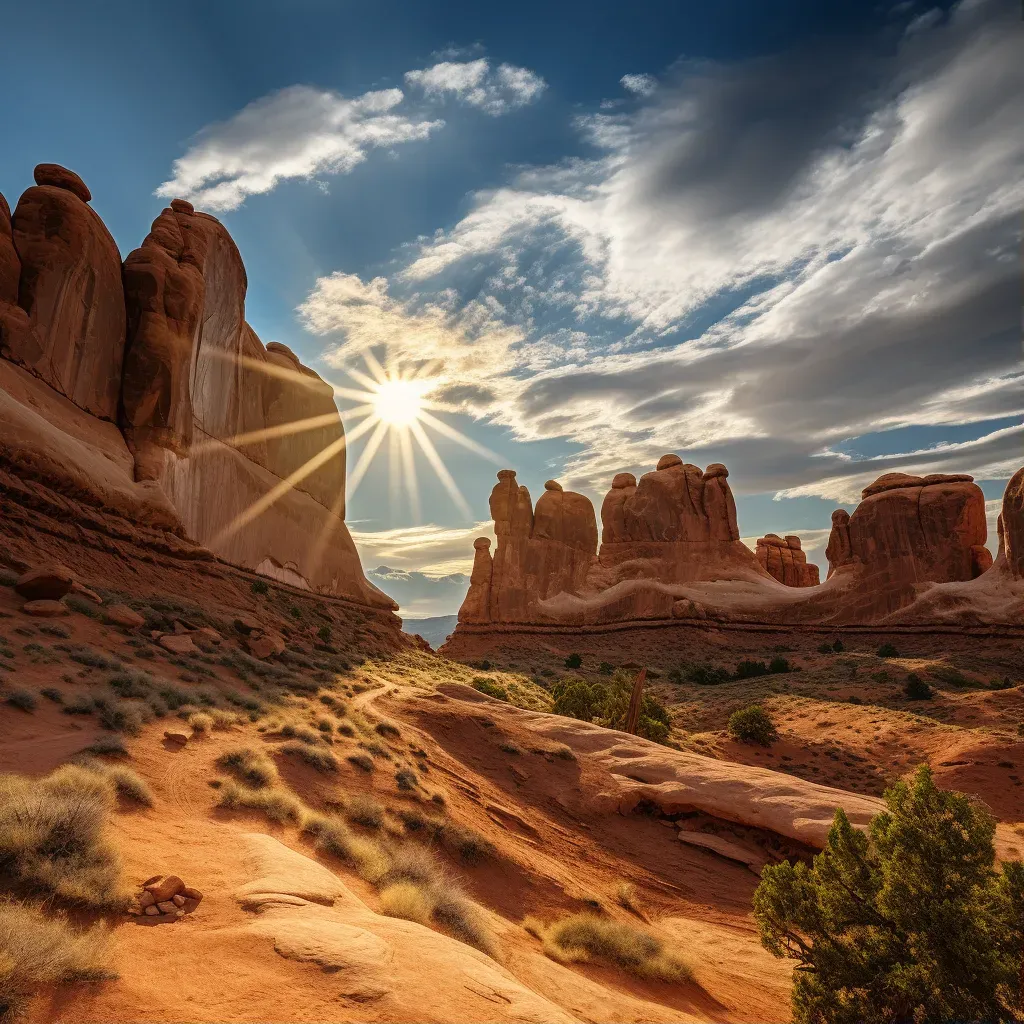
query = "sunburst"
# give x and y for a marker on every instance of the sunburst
(393, 406)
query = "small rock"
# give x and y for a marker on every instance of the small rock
(177, 644)
(179, 913)
(78, 588)
(44, 609)
(209, 634)
(265, 645)
(178, 900)
(191, 893)
(152, 910)
(176, 737)
(147, 899)
(166, 888)
(166, 907)
(245, 624)
(122, 615)
(49, 583)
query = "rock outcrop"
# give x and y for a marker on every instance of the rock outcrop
(1011, 526)
(72, 330)
(143, 391)
(785, 560)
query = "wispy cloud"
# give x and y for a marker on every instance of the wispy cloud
(297, 132)
(432, 550)
(495, 91)
(640, 85)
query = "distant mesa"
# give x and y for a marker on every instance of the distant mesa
(140, 389)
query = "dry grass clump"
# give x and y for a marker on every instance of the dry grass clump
(361, 761)
(249, 765)
(365, 811)
(583, 938)
(316, 757)
(128, 783)
(37, 951)
(626, 897)
(277, 804)
(406, 900)
(51, 836)
(200, 722)
(300, 732)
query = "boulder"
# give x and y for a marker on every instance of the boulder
(122, 615)
(177, 644)
(191, 893)
(47, 583)
(165, 887)
(70, 290)
(45, 609)
(1012, 520)
(176, 737)
(265, 645)
(167, 906)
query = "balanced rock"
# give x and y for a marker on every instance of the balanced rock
(61, 177)
(47, 583)
(785, 559)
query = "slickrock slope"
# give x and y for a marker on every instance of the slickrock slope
(912, 553)
(785, 560)
(146, 396)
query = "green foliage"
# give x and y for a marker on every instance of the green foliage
(490, 687)
(778, 664)
(824, 648)
(916, 688)
(608, 704)
(752, 725)
(705, 675)
(324, 633)
(887, 651)
(259, 586)
(605, 669)
(908, 923)
(838, 646)
(750, 669)
(574, 661)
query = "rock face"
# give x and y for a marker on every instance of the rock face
(1011, 526)
(784, 559)
(235, 445)
(911, 529)
(69, 289)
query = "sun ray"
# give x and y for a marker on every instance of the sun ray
(458, 437)
(281, 430)
(394, 467)
(367, 456)
(366, 380)
(409, 466)
(440, 468)
(376, 370)
(260, 506)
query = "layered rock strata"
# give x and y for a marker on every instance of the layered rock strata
(785, 560)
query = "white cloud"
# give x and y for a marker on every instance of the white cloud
(640, 85)
(432, 550)
(297, 132)
(473, 82)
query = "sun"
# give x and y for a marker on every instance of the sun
(399, 402)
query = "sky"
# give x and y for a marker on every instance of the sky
(785, 237)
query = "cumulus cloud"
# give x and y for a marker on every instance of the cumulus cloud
(495, 91)
(640, 85)
(297, 132)
(765, 260)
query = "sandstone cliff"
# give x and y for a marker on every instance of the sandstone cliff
(142, 390)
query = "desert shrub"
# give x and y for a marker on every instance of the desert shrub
(406, 779)
(259, 586)
(81, 705)
(54, 629)
(950, 675)
(838, 646)
(174, 696)
(127, 783)
(221, 719)
(346, 730)
(625, 896)
(249, 765)
(752, 724)
(576, 698)
(407, 900)
(51, 836)
(706, 675)
(324, 634)
(574, 661)
(490, 687)
(83, 606)
(414, 820)
(463, 919)
(107, 745)
(778, 665)
(277, 804)
(747, 669)
(887, 650)
(825, 648)
(910, 921)
(40, 951)
(916, 688)
(316, 757)
(653, 722)
(365, 811)
(299, 732)
(330, 835)
(882, 677)
(119, 717)
(377, 750)
(131, 683)
(52, 693)
(854, 699)
(387, 730)
(510, 748)
(588, 937)
(200, 722)
(562, 752)
(22, 699)
(605, 668)
(361, 761)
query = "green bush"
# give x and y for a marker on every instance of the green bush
(605, 668)
(324, 634)
(574, 661)
(576, 698)
(747, 669)
(706, 675)
(824, 648)
(887, 651)
(490, 687)
(608, 705)
(752, 725)
(916, 688)
(911, 921)
(838, 646)
(259, 586)
(778, 665)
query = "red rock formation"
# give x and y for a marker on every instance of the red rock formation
(785, 560)
(1011, 523)
(69, 287)
(476, 605)
(915, 529)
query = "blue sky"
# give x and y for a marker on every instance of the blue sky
(780, 236)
